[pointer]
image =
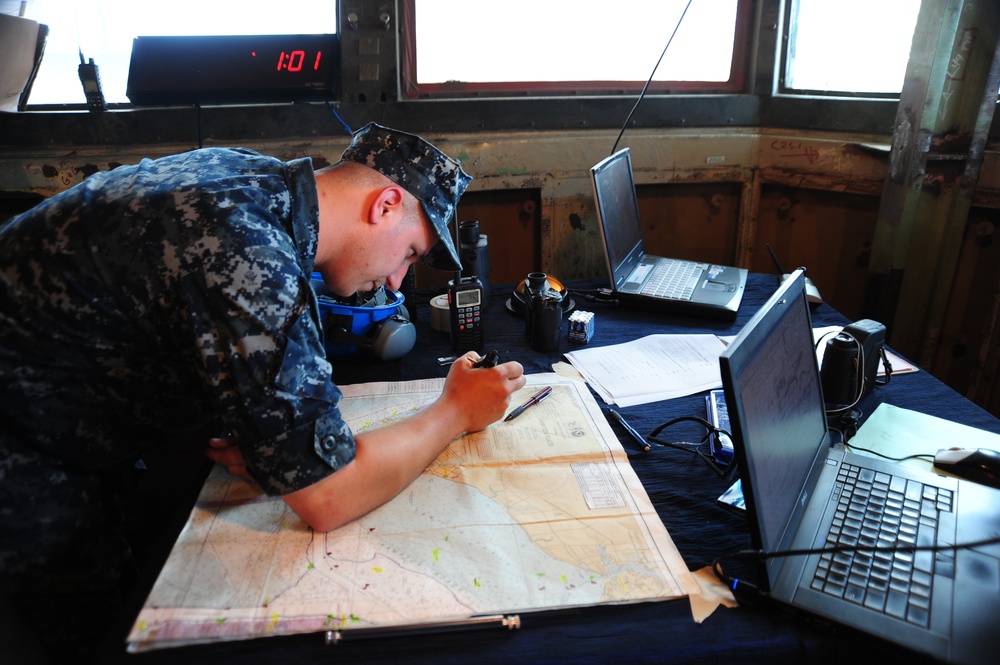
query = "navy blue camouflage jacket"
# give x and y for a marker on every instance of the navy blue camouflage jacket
(148, 298)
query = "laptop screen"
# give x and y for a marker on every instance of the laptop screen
(779, 422)
(618, 213)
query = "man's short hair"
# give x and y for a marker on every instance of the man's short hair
(435, 179)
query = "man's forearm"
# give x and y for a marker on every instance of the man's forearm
(387, 460)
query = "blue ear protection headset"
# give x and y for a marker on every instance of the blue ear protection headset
(384, 329)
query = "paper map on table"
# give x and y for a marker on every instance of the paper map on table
(538, 513)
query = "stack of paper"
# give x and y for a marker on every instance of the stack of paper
(652, 368)
(660, 367)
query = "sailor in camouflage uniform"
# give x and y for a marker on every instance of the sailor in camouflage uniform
(154, 297)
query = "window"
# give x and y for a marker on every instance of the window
(457, 48)
(104, 29)
(849, 46)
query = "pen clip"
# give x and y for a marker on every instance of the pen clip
(539, 396)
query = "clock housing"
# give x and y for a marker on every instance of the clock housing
(233, 69)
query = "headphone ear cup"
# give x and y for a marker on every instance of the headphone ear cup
(393, 338)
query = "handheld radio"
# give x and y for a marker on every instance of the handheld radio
(466, 305)
(90, 77)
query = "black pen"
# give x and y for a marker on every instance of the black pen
(535, 399)
(489, 360)
(631, 430)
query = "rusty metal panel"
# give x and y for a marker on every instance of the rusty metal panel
(967, 344)
(941, 124)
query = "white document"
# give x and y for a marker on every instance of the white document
(651, 368)
(897, 433)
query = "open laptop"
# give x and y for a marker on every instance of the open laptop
(655, 282)
(943, 603)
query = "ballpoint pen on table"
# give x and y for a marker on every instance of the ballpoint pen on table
(535, 399)
(643, 444)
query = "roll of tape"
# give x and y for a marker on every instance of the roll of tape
(441, 313)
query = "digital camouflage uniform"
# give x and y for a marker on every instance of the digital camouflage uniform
(146, 301)
(135, 305)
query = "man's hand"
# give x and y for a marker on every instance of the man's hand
(224, 451)
(481, 394)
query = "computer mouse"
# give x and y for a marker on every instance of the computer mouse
(981, 465)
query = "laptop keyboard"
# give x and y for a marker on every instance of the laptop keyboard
(876, 509)
(675, 280)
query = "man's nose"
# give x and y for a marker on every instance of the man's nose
(395, 280)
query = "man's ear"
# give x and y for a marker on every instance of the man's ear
(387, 203)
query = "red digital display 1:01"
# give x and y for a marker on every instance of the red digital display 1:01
(294, 61)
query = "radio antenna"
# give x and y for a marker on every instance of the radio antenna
(774, 257)
(651, 74)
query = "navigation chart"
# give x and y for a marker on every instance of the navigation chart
(542, 512)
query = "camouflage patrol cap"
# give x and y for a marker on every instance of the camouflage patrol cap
(435, 179)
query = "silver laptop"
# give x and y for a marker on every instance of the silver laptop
(655, 282)
(801, 494)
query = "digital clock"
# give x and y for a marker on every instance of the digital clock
(296, 60)
(233, 69)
